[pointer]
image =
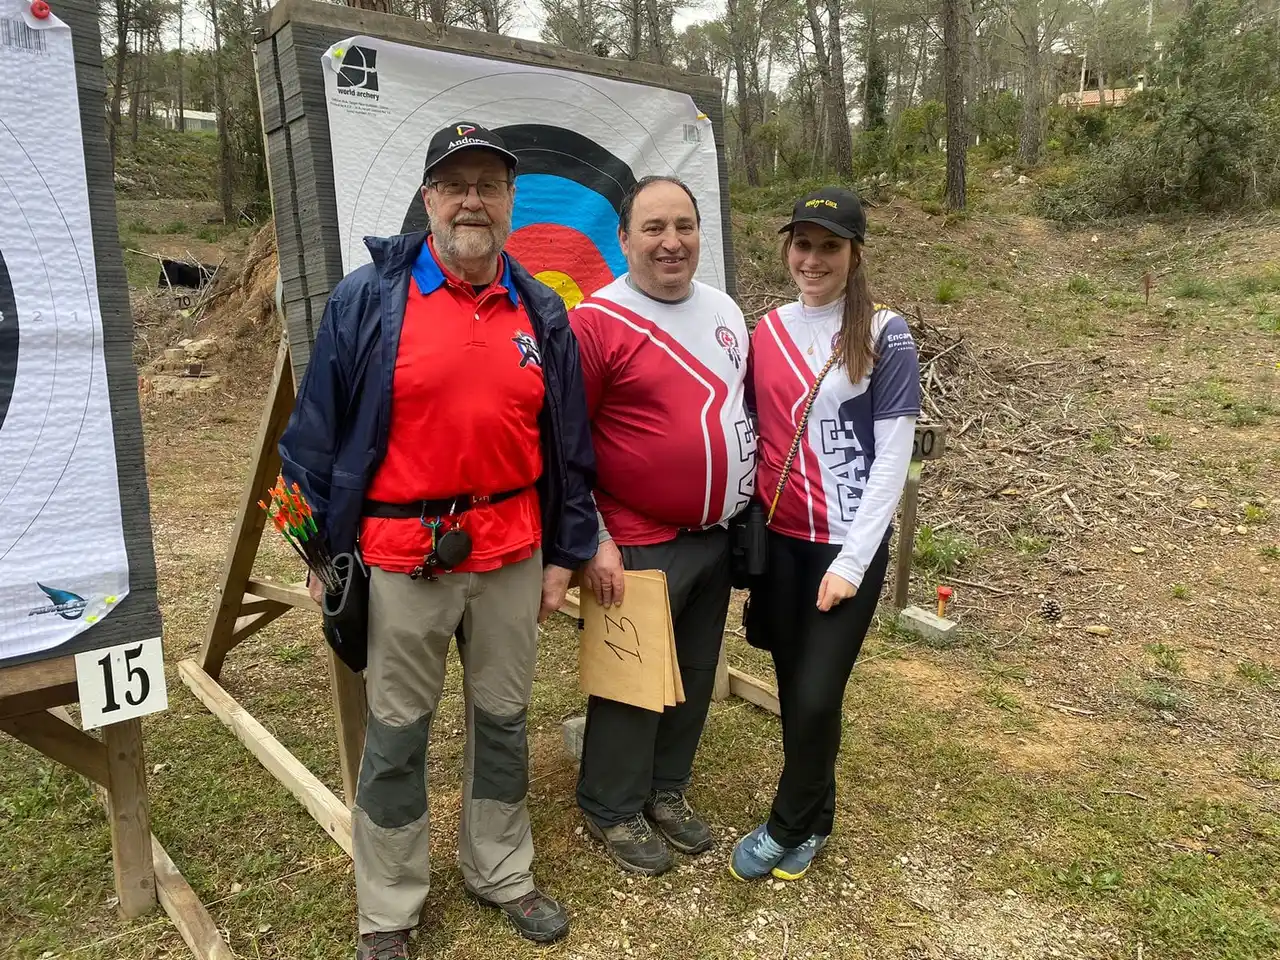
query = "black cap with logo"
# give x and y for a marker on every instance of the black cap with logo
(837, 209)
(465, 136)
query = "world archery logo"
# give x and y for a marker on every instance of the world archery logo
(729, 340)
(67, 605)
(528, 348)
(358, 73)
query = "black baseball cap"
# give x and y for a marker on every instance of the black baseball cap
(837, 209)
(465, 136)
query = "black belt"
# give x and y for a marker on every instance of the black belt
(445, 507)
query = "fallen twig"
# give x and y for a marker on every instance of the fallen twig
(981, 586)
(1078, 710)
(1125, 793)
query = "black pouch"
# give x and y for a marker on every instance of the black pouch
(346, 613)
(748, 545)
(755, 618)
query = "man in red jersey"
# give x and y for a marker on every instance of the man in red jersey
(664, 363)
(442, 424)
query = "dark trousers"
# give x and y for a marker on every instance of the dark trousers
(813, 655)
(629, 752)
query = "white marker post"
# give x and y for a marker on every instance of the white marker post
(930, 443)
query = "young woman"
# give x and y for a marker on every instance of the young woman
(836, 386)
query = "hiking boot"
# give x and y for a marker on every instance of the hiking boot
(538, 917)
(795, 863)
(383, 945)
(675, 819)
(755, 855)
(634, 846)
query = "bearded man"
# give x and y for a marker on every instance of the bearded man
(441, 431)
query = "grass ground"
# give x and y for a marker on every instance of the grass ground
(1105, 786)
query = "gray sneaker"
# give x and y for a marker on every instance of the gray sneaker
(634, 846)
(383, 945)
(684, 829)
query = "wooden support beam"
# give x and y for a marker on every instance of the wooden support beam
(293, 594)
(756, 691)
(39, 685)
(58, 740)
(220, 637)
(185, 909)
(722, 689)
(248, 626)
(350, 711)
(319, 801)
(130, 817)
(907, 535)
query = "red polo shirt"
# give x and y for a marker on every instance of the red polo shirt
(465, 400)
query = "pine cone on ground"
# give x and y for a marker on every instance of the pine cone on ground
(1051, 610)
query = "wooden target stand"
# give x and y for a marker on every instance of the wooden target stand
(33, 709)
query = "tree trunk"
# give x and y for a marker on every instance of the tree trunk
(657, 49)
(181, 122)
(1029, 133)
(123, 14)
(746, 125)
(438, 11)
(953, 70)
(634, 24)
(135, 94)
(824, 61)
(224, 134)
(1102, 87)
(915, 73)
(838, 112)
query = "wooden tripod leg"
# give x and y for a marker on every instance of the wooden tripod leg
(130, 818)
(350, 710)
(220, 637)
(907, 535)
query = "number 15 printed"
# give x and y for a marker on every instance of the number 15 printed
(120, 683)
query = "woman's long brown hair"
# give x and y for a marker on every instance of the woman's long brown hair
(857, 353)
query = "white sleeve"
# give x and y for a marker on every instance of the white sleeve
(894, 439)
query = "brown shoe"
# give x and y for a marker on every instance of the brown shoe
(383, 945)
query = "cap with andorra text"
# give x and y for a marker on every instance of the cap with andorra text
(837, 209)
(465, 136)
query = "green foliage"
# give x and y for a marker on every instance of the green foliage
(940, 553)
(1203, 137)
(948, 291)
(1194, 288)
(1081, 285)
(994, 120)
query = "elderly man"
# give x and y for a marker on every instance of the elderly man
(664, 362)
(441, 423)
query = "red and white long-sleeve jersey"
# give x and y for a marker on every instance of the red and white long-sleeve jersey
(665, 386)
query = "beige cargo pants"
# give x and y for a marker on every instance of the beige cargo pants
(411, 622)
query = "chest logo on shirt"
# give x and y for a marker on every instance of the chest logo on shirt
(528, 348)
(729, 340)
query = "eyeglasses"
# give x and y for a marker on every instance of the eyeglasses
(487, 189)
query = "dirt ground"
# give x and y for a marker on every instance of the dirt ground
(1103, 784)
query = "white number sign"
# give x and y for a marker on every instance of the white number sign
(120, 683)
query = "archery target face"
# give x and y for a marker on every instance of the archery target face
(582, 141)
(63, 564)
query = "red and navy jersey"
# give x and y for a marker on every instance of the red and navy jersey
(665, 387)
(789, 347)
(465, 399)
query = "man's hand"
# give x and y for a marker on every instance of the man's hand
(603, 574)
(315, 588)
(555, 581)
(834, 590)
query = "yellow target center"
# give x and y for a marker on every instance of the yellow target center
(564, 285)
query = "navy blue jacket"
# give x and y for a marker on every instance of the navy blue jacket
(337, 434)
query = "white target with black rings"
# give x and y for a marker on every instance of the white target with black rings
(582, 141)
(63, 563)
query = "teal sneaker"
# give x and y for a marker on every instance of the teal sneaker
(795, 863)
(755, 855)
